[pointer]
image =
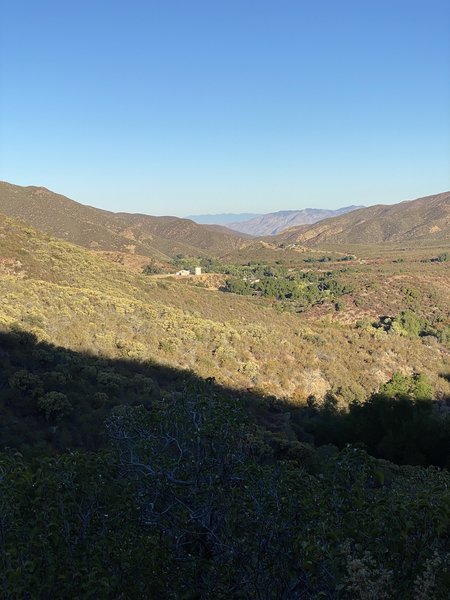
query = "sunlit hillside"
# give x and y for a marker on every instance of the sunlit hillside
(421, 219)
(156, 237)
(73, 298)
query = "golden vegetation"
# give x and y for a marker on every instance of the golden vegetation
(73, 298)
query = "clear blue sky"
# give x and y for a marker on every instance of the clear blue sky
(182, 107)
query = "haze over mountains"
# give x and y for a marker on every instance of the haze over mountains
(276, 222)
(424, 218)
(163, 238)
(222, 218)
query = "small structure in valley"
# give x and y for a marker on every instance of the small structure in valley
(198, 271)
(183, 272)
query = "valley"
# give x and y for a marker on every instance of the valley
(318, 374)
(225, 300)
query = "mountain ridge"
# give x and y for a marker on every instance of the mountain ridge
(160, 238)
(422, 218)
(276, 222)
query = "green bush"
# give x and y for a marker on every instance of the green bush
(55, 406)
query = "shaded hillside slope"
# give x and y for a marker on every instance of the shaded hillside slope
(185, 463)
(156, 237)
(426, 218)
(273, 223)
(73, 298)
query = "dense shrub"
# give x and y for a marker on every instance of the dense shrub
(399, 423)
(193, 503)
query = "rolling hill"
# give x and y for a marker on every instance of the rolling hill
(74, 298)
(274, 223)
(157, 237)
(426, 218)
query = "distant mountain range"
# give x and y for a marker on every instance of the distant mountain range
(222, 218)
(274, 223)
(162, 238)
(157, 237)
(425, 218)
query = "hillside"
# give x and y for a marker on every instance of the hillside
(422, 219)
(76, 299)
(146, 417)
(156, 237)
(273, 223)
(182, 471)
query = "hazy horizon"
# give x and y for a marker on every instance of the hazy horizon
(203, 108)
(186, 215)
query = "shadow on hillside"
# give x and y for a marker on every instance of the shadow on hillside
(54, 399)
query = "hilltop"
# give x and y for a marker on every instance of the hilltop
(157, 237)
(426, 218)
(276, 222)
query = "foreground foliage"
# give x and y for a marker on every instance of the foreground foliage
(399, 423)
(191, 502)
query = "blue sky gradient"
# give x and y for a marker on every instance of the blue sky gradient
(176, 107)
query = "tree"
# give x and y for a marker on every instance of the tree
(152, 269)
(24, 381)
(238, 286)
(408, 323)
(414, 387)
(55, 406)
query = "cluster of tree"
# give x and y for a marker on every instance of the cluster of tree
(192, 501)
(400, 423)
(152, 268)
(136, 481)
(186, 262)
(407, 323)
(305, 288)
(181, 261)
(274, 281)
(443, 257)
(326, 258)
(214, 265)
(53, 398)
